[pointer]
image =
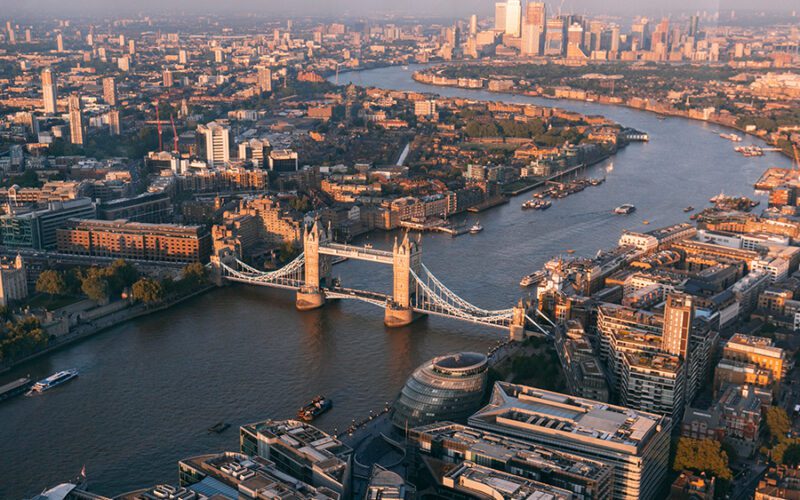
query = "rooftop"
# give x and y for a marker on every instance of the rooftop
(540, 411)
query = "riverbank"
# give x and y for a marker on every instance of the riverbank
(86, 330)
(420, 76)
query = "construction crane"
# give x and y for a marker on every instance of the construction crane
(158, 122)
(174, 134)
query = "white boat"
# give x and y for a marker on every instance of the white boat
(53, 380)
(625, 209)
(533, 278)
(476, 228)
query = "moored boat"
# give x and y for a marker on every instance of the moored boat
(476, 228)
(533, 278)
(315, 408)
(53, 380)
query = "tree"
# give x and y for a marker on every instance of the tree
(95, 287)
(702, 455)
(147, 290)
(51, 282)
(778, 423)
(121, 274)
(195, 273)
(791, 455)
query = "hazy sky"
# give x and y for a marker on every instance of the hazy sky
(446, 8)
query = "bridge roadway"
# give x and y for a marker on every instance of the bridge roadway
(358, 253)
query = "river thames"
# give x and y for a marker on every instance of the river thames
(149, 389)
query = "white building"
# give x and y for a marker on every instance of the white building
(217, 143)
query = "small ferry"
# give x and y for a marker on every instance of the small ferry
(731, 137)
(315, 408)
(529, 204)
(532, 279)
(596, 181)
(688, 209)
(53, 380)
(625, 209)
(476, 228)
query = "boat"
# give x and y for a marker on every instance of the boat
(688, 209)
(570, 251)
(315, 408)
(533, 278)
(715, 199)
(219, 427)
(476, 228)
(15, 388)
(53, 380)
(661, 117)
(596, 181)
(731, 137)
(646, 222)
(529, 204)
(625, 209)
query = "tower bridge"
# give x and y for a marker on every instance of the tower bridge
(415, 290)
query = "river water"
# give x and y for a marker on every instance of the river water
(149, 389)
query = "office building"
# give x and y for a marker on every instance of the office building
(452, 444)
(448, 387)
(216, 141)
(581, 366)
(283, 160)
(234, 475)
(500, 16)
(37, 228)
(634, 443)
(387, 485)
(254, 150)
(470, 480)
(110, 91)
(60, 42)
(534, 24)
(759, 351)
(75, 119)
(122, 239)
(555, 35)
(513, 17)
(49, 95)
(302, 451)
(152, 207)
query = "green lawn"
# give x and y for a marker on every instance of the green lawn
(52, 303)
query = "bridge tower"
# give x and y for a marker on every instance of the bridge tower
(405, 257)
(517, 328)
(317, 269)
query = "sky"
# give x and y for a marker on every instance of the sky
(375, 8)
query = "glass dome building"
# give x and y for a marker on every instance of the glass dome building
(449, 387)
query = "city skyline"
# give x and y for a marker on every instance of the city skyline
(380, 8)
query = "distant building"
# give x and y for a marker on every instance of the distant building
(75, 119)
(110, 91)
(13, 281)
(264, 79)
(283, 160)
(216, 139)
(49, 91)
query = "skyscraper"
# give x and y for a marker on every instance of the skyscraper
(678, 316)
(75, 120)
(534, 25)
(49, 91)
(513, 17)
(694, 25)
(167, 78)
(500, 16)
(113, 122)
(264, 79)
(217, 143)
(60, 42)
(473, 25)
(110, 91)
